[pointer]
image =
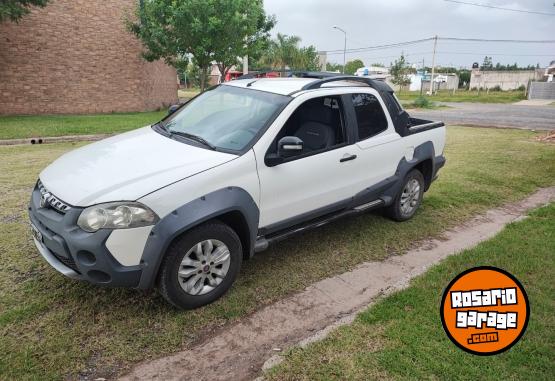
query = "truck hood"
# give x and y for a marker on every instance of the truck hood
(126, 167)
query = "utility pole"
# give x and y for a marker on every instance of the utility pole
(422, 76)
(344, 47)
(433, 66)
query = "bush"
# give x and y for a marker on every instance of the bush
(422, 102)
(521, 88)
(495, 88)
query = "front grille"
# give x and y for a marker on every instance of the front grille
(49, 200)
(69, 262)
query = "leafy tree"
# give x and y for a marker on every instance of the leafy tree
(14, 10)
(352, 66)
(248, 30)
(399, 72)
(464, 78)
(284, 52)
(487, 64)
(306, 58)
(334, 67)
(205, 30)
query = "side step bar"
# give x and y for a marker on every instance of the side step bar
(262, 242)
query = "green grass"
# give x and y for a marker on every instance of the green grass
(467, 96)
(27, 126)
(401, 337)
(188, 93)
(423, 103)
(52, 327)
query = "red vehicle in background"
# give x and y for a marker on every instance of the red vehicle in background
(234, 74)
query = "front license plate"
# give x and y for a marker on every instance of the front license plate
(36, 233)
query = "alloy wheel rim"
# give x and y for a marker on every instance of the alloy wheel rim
(410, 196)
(204, 267)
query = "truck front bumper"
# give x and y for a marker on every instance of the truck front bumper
(75, 253)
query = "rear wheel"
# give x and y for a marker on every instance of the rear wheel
(409, 198)
(200, 266)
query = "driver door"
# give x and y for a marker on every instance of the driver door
(320, 179)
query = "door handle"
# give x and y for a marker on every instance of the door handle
(347, 157)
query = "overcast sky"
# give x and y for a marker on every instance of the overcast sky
(377, 22)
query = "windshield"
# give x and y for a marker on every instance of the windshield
(226, 117)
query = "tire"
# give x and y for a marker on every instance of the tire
(188, 274)
(399, 211)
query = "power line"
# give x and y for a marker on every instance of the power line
(413, 42)
(385, 46)
(501, 8)
(498, 54)
(490, 40)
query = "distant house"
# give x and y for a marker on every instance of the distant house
(442, 81)
(550, 71)
(76, 56)
(374, 72)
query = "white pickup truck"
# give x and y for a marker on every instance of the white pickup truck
(180, 204)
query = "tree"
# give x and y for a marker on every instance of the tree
(399, 72)
(352, 66)
(487, 64)
(334, 67)
(248, 28)
(284, 52)
(205, 30)
(306, 59)
(378, 64)
(464, 78)
(14, 10)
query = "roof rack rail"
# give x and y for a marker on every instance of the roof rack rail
(291, 73)
(338, 77)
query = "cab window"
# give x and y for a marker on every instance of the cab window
(319, 123)
(371, 119)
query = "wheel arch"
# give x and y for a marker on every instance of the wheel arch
(426, 167)
(232, 205)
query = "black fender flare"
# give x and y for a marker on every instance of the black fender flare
(424, 151)
(194, 213)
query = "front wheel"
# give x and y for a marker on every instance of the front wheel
(200, 266)
(409, 198)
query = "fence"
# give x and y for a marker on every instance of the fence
(541, 90)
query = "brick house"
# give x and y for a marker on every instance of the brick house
(75, 57)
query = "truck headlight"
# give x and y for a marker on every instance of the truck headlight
(116, 215)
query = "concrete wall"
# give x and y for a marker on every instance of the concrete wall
(541, 90)
(506, 80)
(76, 56)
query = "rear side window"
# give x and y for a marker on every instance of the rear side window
(370, 116)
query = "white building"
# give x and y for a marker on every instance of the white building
(373, 72)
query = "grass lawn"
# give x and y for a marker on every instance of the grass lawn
(401, 337)
(188, 93)
(467, 96)
(27, 126)
(52, 327)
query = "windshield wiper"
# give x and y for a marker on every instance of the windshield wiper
(196, 138)
(161, 126)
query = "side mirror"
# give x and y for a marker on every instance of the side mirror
(287, 146)
(173, 108)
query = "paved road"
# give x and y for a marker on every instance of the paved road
(494, 115)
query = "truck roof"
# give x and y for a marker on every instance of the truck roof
(283, 86)
(291, 85)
